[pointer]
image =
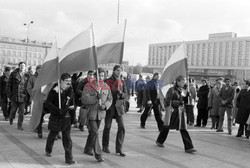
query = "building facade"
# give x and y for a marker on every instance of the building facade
(223, 54)
(13, 51)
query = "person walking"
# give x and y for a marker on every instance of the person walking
(60, 118)
(97, 98)
(152, 102)
(81, 83)
(30, 86)
(17, 93)
(116, 111)
(202, 104)
(243, 110)
(139, 89)
(5, 104)
(175, 117)
(226, 104)
(214, 104)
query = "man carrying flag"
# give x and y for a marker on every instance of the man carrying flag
(175, 116)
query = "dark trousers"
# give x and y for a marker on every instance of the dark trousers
(184, 134)
(39, 127)
(139, 98)
(66, 140)
(157, 114)
(190, 113)
(93, 139)
(241, 129)
(215, 121)
(20, 107)
(120, 133)
(202, 115)
(6, 109)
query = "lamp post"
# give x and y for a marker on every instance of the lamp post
(27, 40)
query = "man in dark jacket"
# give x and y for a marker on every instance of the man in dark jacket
(16, 92)
(60, 117)
(152, 102)
(202, 104)
(243, 110)
(139, 89)
(226, 97)
(5, 104)
(116, 111)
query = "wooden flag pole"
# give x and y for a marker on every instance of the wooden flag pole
(95, 58)
(58, 78)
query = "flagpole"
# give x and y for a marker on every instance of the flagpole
(95, 58)
(122, 50)
(118, 12)
(188, 88)
(58, 78)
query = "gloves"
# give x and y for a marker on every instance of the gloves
(102, 107)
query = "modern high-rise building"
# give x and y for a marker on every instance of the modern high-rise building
(223, 54)
(13, 51)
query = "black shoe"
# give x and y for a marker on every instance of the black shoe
(247, 137)
(6, 119)
(238, 135)
(219, 130)
(143, 126)
(26, 113)
(20, 127)
(203, 126)
(88, 153)
(121, 153)
(99, 159)
(106, 150)
(58, 136)
(48, 154)
(70, 162)
(197, 125)
(159, 144)
(139, 111)
(11, 121)
(40, 135)
(212, 128)
(81, 127)
(190, 150)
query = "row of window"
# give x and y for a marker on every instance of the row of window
(17, 60)
(21, 47)
(22, 53)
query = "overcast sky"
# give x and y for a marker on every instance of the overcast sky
(148, 21)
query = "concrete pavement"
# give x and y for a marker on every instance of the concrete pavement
(22, 149)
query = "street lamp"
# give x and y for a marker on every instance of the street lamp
(27, 40)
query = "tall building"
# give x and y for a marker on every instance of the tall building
(223, 54)
(13, 51)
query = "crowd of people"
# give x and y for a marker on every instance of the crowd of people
(100, 97)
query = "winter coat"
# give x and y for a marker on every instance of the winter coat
(80, 84)
(227, 94)
(203, 97)
(175, 116)
(60, 119)
(3, 83)
(90, 100)
(31, 84)
(214, 101)
(243, 104)
(116, 85)
(16, 87)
